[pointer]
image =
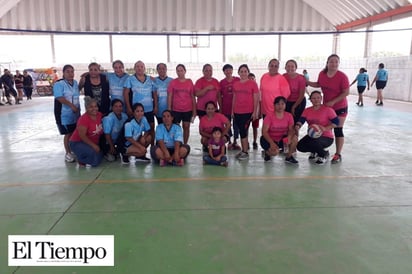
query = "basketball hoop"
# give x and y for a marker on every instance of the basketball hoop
(194, 46)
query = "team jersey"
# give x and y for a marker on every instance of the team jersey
(362, 79)
(134, 129)
(323, 116)
(272, 87)
(244, 93)
(278, 127)
(296, 85)
(63, 114)
(116, 85)
(382, 75)
(332, 87)
(161, 87)
(226, 90)
(169, 137)
(113, 125)
(182, 92)
(142, 92)
(210, 95)
(218, 120)
(94, 128)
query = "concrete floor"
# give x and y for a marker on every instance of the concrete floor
(252, 217)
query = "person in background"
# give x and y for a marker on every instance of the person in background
(161, 82)
(307, 78)
(226, 90)
(85, 139)
(381, 80)
(18, 81)
(181, 100)
(363, 80)
(244, 107)
(8, 84)
(112, 127)
(296, 101)
(216, 149)
(140, 88)
(67, 107)
(169, 148)
(335, 88)
(96, 86)
(137, 136)
(207, 89)
(278, 133)
(323, 116)
(255, 123)
(27, 84)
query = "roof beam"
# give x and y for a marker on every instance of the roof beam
(7, 5)
(375, 18)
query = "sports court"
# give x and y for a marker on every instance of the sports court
(252, 217)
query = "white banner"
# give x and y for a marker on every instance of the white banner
(61, 250)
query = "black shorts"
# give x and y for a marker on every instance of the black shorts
(201, 113)
(380, 84)
(361, 89)
(342, 112)
(149, 116)
(182, 116)
(66, 129)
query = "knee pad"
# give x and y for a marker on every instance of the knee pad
(338, 132)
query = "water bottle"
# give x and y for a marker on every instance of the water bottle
(285, 145)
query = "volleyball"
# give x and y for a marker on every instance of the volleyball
(314, 131)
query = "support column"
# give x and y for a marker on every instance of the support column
(53, 49)
(279, 47)
(336, 43)
(368, 43)
(111, 48)
(168, 48)
(224, 48)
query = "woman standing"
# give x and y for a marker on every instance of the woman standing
(117, 80)
(85, 139)
(335, 87)
(381, 80)
(362, 78)
(96, 86)
(181, 100)
(244, 107)
(296, 101)
(27, 84)
(326, 118)
(66, 107)
(207, 89)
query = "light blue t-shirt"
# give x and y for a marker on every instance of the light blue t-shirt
(142, 91)
(134, 129)
(362, 79)
(113, 125)
(161, 86)
(382, 75)
(169, 137)
(65, 114)
(116, 85)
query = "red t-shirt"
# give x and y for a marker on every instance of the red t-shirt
(210, 95)
(244, 92)
(226, 89)
(94, 128)
(332, 87)
(218, 120)
(278, 127)
(296, 85)
(321, 116)
(182, 95)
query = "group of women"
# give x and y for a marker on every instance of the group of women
(120, 111)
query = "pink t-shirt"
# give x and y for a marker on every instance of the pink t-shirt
(218, 120)
(182, 95)
(210, 95)
(226, 90)
(278, 127)
(296, 85)
(321, 116)
(94, 128)
(333, 87)
(244, 92)
(272, 87)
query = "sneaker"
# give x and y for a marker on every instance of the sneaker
(337, 158)
(291, 160)
(109, 157)
(267, 157)
(313, 156)
(163, 163)
(84, 165)
(236, 146)
(124, 158)
(243, 156)
(69, 158)
(380, 104)
(321, 160)
(377, 102)
(361, 104)
(357, 103)
(255, 146)
(143, 159)
(181, 162)
(225, 163)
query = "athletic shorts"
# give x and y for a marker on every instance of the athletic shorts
(182, 116)
(149, 116)
(66, 129)
(361, 89)
(342, 112)
(380, 84)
